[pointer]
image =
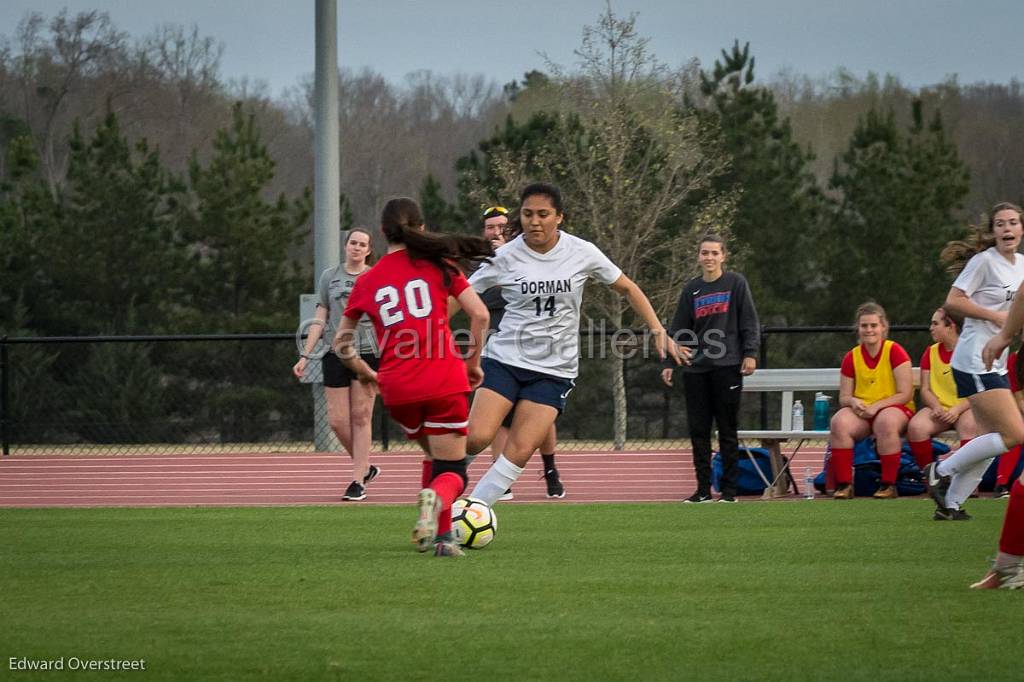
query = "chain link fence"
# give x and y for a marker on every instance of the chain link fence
(236, 394)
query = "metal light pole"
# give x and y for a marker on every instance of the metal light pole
(326, 185)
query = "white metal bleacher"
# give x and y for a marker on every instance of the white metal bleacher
(787, 382)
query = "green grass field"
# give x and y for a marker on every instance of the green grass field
(861, 590)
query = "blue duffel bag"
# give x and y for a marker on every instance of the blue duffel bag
(867, 469)
(748, 482)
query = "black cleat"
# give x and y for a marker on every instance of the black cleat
(555, 487)
(698, 498)
(951, 515)
(938, 485)
(373, 473)
(354, 492)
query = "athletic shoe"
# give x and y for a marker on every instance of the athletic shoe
(507, 495)
(448, 548)
(373, 473)
(951, 515)
(426, 526)
(555, 487)
(1002, 578)
(354, 492)
(698, 498)
(938, 485)
(729, 499)
(844, 491)
(1001, 491)
(886, 492)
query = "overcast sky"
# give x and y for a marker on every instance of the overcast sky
(921, 41)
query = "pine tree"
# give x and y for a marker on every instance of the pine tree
(778, 201)
(507, 160)
(438, 213)
(902, 193)
(114, 263)
(242, 275)
(28, 230)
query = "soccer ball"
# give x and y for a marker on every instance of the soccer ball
(473, 523)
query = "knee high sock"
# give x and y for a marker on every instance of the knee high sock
(426, 473)
(842, 465)
(978, 450)
(448, 487)
(496, 481)
(444, 520)
(964, 483)
(922, 451)
(890, 467)
(1011, 541)
(549, 461)
(1007, 463)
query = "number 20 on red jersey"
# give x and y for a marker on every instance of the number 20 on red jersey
(416, 295)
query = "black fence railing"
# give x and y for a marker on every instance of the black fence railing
(196, 394)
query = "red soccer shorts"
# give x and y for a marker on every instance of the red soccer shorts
(902, 408)
(434, 417)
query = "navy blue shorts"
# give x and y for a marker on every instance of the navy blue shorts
(516, 383)
(968, 384)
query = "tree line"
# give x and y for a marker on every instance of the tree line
(800, 154)
(141, 193)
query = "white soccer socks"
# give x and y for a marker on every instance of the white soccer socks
(963, 484)
(978, 450)
(496, 481)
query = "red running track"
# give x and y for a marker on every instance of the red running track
(233, 480)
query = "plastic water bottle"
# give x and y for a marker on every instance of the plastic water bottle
(808, 484)
(821, 415)
(798, 416)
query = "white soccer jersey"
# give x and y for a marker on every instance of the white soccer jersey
(991, 281)
(543, 294)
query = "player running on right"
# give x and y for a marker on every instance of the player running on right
(982, 293)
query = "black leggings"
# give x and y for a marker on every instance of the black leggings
(714, 395)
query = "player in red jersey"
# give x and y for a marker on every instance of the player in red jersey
(1008, 460)
(424, 381)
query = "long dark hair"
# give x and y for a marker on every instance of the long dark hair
(951, 319)
(956, 253)
(402, 223)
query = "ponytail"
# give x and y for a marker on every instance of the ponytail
(956, 253)
(402, 223)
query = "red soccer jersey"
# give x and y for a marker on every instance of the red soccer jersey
(926, 357)
(407, 300)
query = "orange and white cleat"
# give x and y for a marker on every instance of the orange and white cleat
(426, 526)
(1002, 578)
